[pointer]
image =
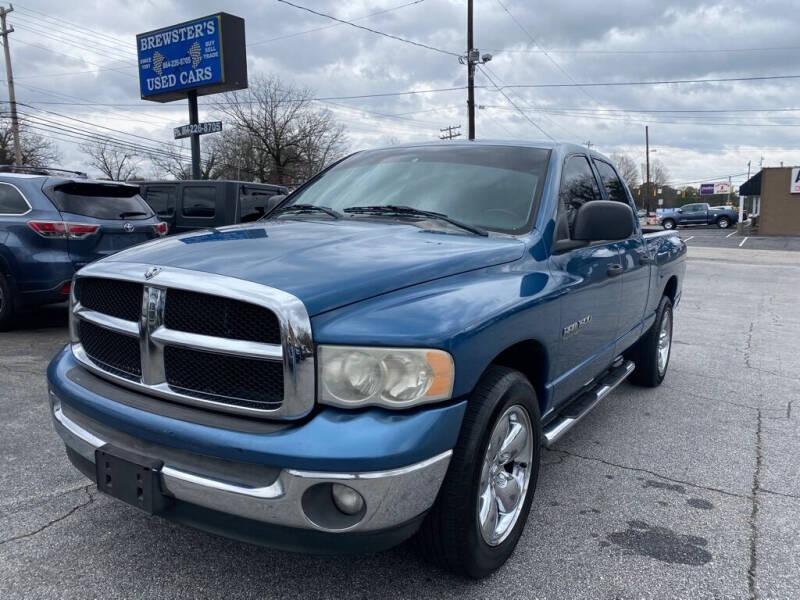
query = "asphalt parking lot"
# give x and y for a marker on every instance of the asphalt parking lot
(714, 237)
(691, 490)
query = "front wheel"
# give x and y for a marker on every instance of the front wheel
(668, 224)
(484, 501)
(723, 222)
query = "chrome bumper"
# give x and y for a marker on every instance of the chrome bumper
(391, 497)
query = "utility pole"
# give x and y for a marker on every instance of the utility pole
(450, 132)
(647, 159)
(589, 144)
(12, 99)
(470, 75)
(472, 58)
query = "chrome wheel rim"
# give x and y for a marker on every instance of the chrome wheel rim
(723, 223)
(668, 225)
(505, 475)
(664, 341)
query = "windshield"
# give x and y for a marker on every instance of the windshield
(101, 201)
(491, 187)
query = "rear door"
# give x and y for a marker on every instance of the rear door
(112, 217)
(590, 305)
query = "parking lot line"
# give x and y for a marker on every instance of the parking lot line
(729, 235)
(688, 238)
(743, 241)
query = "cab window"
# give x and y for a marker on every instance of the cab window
(578, 186)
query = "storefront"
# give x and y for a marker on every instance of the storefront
(775, 196)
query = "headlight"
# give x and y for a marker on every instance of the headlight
(392, 377)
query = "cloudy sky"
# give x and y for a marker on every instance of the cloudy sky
(78, 61)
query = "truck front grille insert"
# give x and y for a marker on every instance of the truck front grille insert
(121, 299)
(114, 352)
(195, 312)
(244, 382)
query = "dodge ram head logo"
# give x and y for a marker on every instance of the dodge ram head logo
(152, 272)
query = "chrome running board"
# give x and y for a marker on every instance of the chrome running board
(574, 411)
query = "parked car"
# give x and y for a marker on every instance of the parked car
(190, 205)
(386, 354)
(50, 226)
(700, 214)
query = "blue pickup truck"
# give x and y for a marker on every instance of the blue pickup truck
(384, 356)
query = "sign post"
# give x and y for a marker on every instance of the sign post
(191, 59)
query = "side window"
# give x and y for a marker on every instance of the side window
(253, 206)
(578, 186)
(199, 201)
(162, 201)
(614, 187)
(11, 201)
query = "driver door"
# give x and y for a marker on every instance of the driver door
(592, 288)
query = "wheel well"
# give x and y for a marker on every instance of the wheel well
(530, 359)
(671, 288)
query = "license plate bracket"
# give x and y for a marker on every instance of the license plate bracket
(130, 477)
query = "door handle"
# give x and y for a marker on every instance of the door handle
(645, 259)
(614, 270)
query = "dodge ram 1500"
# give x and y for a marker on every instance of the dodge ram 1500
(384, 356)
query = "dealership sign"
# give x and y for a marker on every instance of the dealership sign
(794, 187)
(206, 55)
(708, 189)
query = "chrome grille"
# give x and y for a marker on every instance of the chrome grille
(121, 299)
(241, 381)
(222, 317)
(115, 352)
(196, 338)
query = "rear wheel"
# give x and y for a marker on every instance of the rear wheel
(723, 222)
(668, 224)
(651, 353)
(6, 304)
(484, 501)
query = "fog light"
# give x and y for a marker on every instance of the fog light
(347, 499)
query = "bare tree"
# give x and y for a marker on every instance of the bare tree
(37, 151)
(659, 174)
(280, 122)
(112, 161)
(177, 166)
(240, 156)
(627, 169)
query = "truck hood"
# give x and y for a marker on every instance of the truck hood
(327, 264)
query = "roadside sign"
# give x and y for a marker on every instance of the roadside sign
(708, 189)
(206, 55)
(794, 187)
(185, 131)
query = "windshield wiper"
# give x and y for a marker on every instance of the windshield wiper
(133, 213)
(310, 208)
(393, 209)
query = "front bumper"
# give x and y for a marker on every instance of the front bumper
(225, 483)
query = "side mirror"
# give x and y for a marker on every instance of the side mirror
(680, 210)
(603, 220)
(273, 202)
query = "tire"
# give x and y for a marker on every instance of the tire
(723, 222)
(668, 224)
(6, 304)
(649, 372)
(451, 535)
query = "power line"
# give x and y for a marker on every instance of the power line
(519, 110)
(542, 48)
(683, 51)
(375, 31)
(298, 33)
(60, 22)
(656, 82)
